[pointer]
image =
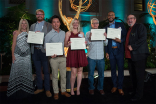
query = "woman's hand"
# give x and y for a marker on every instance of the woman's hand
(69, 43)
(13, 59)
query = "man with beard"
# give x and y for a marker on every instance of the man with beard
(115, 53)
(38, 54)
(56, 35)
(136, 51)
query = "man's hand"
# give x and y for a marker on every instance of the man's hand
(85, 42)
(37, 31)
(54, 56)
(107, 56)
(105, 34)
(130, 48)
(90, 36)
(117, 40)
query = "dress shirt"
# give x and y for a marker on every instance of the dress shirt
(127, 51)
(55, 37)
(39, 27)
(112, 25)
(96, 48)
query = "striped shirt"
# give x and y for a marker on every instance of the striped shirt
(96, 48)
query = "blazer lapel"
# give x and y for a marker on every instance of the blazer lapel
(34, 26)
(116, 25)
(130, 37)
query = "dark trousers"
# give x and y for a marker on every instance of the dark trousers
(117, 58)
(40, 60)
(137, 70)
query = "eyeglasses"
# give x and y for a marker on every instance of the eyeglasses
(110, 15)
(39, 14)
(95, 23)
(130, 18)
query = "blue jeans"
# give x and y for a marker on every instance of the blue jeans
(100, 64)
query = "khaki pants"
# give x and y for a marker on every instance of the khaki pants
(58, 63)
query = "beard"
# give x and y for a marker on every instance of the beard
(39, 19)
(130, 24)
(110, 20)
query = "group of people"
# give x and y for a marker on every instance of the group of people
(135, 50)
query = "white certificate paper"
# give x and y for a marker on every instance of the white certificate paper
(36, 38)
(77, 43)
(98, 34)
(54, 48)
(113, 33)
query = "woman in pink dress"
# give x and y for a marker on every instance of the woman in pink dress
(76, 59)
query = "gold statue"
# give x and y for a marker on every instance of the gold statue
(83, 8)
(79, 9)
(67, 20)
(151, 6)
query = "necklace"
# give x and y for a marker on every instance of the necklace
(74, 33)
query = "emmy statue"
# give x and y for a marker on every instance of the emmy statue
(150, 7)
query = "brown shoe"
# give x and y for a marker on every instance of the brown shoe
(113, 89)
(48, 93)
(38, 91)
(101, 92)
(65, 94)
(91, 92)
(56, 96)
(121, 92)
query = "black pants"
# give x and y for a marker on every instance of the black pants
(137, 70)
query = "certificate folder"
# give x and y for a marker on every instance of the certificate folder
(35, 37)
(54, 48)
(113, 33)
(98, 34)
(77, 43)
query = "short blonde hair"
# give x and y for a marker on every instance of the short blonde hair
(19, 27)
(39, 10)
(71, 25)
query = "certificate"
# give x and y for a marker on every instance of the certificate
(54, 48)
(35, 37)
(77, 43)
(113, 33)
(98, 34)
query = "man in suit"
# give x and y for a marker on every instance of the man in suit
(136, 51)
(38, 54)
(115, 53)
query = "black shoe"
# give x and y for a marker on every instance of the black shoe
(132, 93)
(91, 92)
(135, 99)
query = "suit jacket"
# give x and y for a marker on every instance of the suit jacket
(47, 27)
(138, 42)
(108, 48)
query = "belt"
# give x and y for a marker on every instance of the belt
(37, 48)
(114, 47)
(60, 56)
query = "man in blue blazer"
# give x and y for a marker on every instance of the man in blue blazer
(115, 53)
